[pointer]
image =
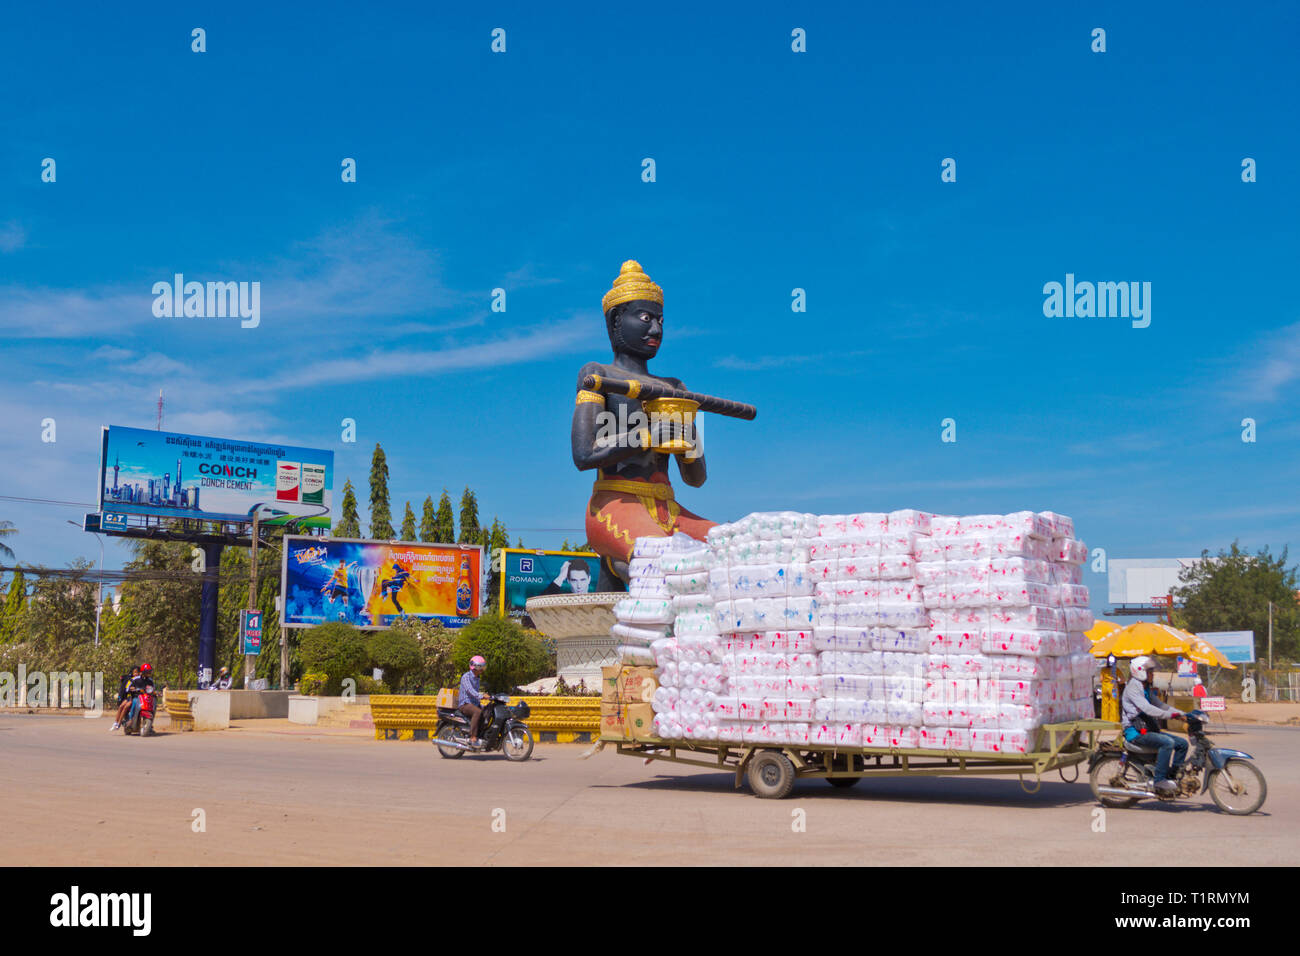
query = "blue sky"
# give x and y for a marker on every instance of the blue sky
(775, 170)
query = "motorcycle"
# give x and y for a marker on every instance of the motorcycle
(501, 728)
(143, 723)
(1122, 777)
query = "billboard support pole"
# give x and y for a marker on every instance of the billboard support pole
(1270, 635)
(208, 612)
(249, 659)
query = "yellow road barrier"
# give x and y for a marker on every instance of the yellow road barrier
(177, 704)
(415, 717)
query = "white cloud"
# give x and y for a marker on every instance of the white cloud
(12, 236)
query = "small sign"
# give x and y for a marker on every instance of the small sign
(1161, 600)
(250, 629)
(112, 521)
(1186, 667)
(1213, 703)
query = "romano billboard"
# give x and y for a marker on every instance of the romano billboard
(371, 584)
(528, 574)
(193, 476)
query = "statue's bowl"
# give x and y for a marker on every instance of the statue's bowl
(579, 624)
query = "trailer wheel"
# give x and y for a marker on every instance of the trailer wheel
(843, 783)
(846, 763)
(771, 775)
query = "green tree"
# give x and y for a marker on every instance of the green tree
(381, 518)
(397, 653)
(13, 619)
(162, 598)
(1231, 591)
(514, 656)
(336, 649)
(62, 613)
(349, 525)
(428, 521)
(408, 524)
(7, 530)
(437, 667)
(469, 530)
(445, 528)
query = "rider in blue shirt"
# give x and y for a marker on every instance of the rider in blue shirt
(1142, 713)
(470, 697)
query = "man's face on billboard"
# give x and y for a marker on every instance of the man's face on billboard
(579, 580)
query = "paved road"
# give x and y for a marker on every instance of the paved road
(72, 794)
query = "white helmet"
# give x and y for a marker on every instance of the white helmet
(1140, 668)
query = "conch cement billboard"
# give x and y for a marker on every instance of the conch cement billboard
(220, 479)
(371, 584)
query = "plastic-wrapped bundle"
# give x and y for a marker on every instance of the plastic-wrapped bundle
(1004, 545)
(649, 547)
(802, 665)
(665, 699)
(699, 623)
(876, 568)
(944, 738)
(1072, 595)
(1032, 618)
(1069, 551)
(1015, 667)
(1007, 593)
(908, 640)
(694, 582)
(836, 734)
(903, 687)
(833, 638)
(1011, 691)
(1062, 525)
(967, 666)
(850, 709)
(840, 525)
(1066, 573)
(650, 588)
(645, 568)
(852, 662)
(693, 604)
(854, 616)
(902, 664)
(903, 712)
(770, 685)
(1019, 716)
(857, 686)
(636, 654)
(955, 691)
(907, 519)
(890, 737)
(760, 580)
(774, 733)
(782, 709)
(1025, 523)
(637, 636)
(643, 611)
(685, 562)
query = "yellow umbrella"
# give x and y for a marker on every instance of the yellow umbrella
(1149, 637)
(1101, 629)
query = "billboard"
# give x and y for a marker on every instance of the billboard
(373, 583)
(528, 574)
(1142, 581)
(192, 476)
(1237, 646)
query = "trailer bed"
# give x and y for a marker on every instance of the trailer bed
(773, 768)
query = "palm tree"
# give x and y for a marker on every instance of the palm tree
(6, 529)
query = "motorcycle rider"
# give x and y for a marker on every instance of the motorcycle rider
(470, 697)
(1142, 711)
(124, 698)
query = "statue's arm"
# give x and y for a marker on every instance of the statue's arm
(692, 468)
(589, 426)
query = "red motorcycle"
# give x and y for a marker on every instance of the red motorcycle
(143, 723)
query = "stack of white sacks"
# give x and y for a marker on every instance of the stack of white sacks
(902, 630)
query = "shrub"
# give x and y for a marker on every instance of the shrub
(313, 684)
(397, 653)
(368, 685)
(337, 650)
(513, 655)
(437, 668)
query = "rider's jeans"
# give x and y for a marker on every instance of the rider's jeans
(1170, 747)
(135, 709)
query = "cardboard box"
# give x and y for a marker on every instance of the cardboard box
(612, 723)
(639, 722)
(637, 685)
(609, 683)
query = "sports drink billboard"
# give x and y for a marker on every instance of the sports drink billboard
(527, 574)
(192, 476)
(371, 584)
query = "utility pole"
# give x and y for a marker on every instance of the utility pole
(1270, 635)
(249, 659)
